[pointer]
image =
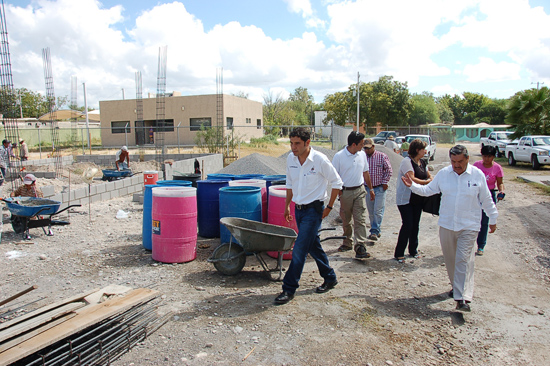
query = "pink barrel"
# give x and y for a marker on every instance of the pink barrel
(276, 213)
(174, 215)
(254, 183)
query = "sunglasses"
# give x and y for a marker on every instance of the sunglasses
(368, 148)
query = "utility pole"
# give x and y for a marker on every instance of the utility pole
(358, 102)
(87, 124)
(122, 93)
(538, 83)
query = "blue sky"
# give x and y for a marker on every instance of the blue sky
(494, 47)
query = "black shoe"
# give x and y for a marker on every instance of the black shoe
(326, 286)
(462, 305)
(451, 293)
(373, 237)
(361, 252)
(344, 248)
(283, 298)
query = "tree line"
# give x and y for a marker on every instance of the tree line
(389, 102)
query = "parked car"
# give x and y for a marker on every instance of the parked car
(530, 149)
(497, 139)
(399, 141)
(383, 136)
(430, 147)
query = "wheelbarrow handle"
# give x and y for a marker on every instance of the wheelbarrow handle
(65, 209)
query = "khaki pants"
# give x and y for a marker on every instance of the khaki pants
(459, 253)
(353, 206)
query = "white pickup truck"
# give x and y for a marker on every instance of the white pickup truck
(430, 148)
(497, 139)
(530, 149)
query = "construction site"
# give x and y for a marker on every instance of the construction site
(86, 279)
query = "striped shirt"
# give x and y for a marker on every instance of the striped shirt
(28, 191)
(379, 168)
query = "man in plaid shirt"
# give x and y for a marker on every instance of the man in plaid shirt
(380, 173)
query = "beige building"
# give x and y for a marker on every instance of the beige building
(241, 116)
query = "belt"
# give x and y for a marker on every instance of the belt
(380, 185)
(306, 206)
(350, 188)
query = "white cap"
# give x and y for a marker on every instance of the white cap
(124, 148)
(29, 179)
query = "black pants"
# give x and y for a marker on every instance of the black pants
(408, 234)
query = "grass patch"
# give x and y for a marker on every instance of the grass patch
(263, 141)
(544, 189)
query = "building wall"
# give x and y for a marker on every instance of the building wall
(180, 109)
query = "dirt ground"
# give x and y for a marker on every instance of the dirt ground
(381, 312)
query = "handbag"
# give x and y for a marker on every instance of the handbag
(432, 203)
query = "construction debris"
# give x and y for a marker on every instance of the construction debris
(95, 327)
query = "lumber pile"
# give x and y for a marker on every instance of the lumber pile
(92, 328)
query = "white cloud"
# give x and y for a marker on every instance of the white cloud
(300, 7)
(487, 70)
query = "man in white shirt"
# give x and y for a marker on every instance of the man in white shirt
(307, 174)
(352, 166)
(463, 189)
(391, 144)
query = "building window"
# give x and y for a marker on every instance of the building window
(259, 124)
(249, 120)
(196, 123)
(229, 123)
(118, 127)
(165, 126)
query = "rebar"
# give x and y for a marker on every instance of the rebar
(161, 108)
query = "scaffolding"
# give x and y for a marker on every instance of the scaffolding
(219, 110)
(50, 96)
(141, 137)
(74, 114)
(160, 149)
(8, 100)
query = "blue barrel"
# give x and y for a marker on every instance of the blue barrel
(242, 202)
(269, 179)
(208, 207)
(179, 183)
(249, 176)
(147, 229)
(220, 176)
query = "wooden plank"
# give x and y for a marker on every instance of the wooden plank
(36, 321)
(44, 309)
(18, 294)
(86, 317)
(14, 342)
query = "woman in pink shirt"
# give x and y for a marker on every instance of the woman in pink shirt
(493, 173)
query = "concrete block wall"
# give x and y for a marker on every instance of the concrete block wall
(108, 160)
(65, 160)
(96, 192)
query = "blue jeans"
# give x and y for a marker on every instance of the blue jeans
(308, 242)
(3, 175)
(483, 231)
(376, 209)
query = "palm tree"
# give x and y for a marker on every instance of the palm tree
(529, 112)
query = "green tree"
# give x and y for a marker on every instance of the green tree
(389, 102)
(445, 113)
(529, 112)
(423, 110)
(337, 107)
(492, 112)
(240, 94)
(302, 104)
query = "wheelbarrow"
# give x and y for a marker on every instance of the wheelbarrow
(113, 174)
(30, 212)
(254, 237)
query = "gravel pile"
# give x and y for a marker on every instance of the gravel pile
(268, 165)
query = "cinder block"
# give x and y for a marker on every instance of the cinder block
(57, 197)
(106, 196)
(115, 193)
(100, 188)
(109, 186)
(119, 184)
(48, 191)
(96, 198)
(93, 189)
(136, 197)
(127, 182)
(141, 200)
(80, 193)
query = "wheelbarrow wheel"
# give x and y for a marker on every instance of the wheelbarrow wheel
(230, 259)
(18, 224)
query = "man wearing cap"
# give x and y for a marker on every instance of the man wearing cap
(391, 144)
(23, 150)
(380, 173)
(351, 163)
(28, 188)
(122, 158)
(4, 159)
